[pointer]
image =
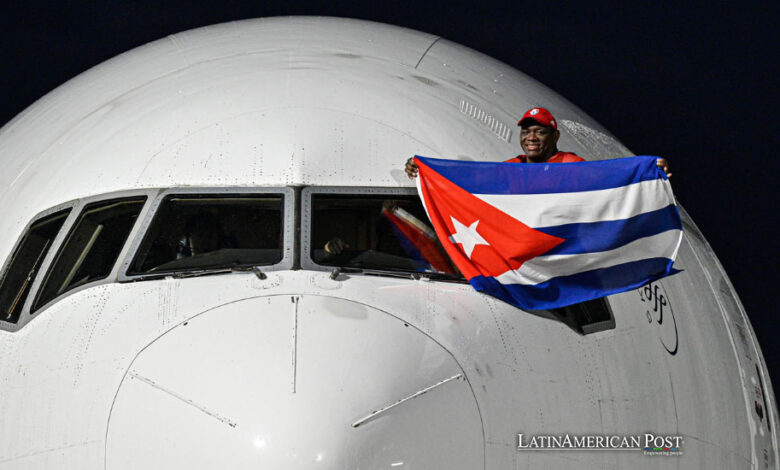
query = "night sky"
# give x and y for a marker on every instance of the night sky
(696, 84)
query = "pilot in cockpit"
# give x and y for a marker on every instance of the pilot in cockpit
(336, 245)
(202, 234)
(384, 234)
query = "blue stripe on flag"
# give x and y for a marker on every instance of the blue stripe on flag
(576, 288)
(538, 178)
(603, 236)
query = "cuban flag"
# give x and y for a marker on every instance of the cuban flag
(542, 236)
(418, 240)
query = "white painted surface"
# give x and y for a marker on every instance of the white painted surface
(218, 393)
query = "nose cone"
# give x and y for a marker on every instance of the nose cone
(287, 382)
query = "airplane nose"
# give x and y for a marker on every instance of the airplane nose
(294, 382)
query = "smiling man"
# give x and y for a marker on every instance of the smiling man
(539, 139)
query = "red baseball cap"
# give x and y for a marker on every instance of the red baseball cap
(540, 115)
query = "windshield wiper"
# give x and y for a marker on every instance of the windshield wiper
(204, 272)
(435, 276)
(200, 272)
(399, 274)
(390, 273)
(221, 270)
(370, 272)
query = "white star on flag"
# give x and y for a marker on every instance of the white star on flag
(468, 237)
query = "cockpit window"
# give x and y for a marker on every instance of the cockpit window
(587, 317)
(206, 231)
(92, 247)
(369, 231)
(25, 263)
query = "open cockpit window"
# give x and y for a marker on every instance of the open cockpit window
(587, 317)
(25, 263)
(388, 232)
(193, 232)
(92, 246)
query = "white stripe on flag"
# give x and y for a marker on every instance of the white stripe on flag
(544, 268)
(547, 210)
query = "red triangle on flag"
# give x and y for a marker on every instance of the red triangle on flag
(510, 243)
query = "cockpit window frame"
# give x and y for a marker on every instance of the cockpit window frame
(24, 313)
(73, 217)
(76, 207)
(288, 232)
(84, 205)
(306, 213)
(154, 197)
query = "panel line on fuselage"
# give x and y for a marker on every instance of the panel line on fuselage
(202, 408)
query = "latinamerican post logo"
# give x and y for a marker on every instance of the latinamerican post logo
(648, 443)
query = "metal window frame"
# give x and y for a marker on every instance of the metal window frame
(83, 204)
(76, 207)
(154, 197)
(603, 325)
(24, 314)
(306, 213)
(567, 316)
(288, 232)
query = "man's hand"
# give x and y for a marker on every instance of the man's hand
(335, 246)
(411, 169)
(662, 163)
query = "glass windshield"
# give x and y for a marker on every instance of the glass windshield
(375, 232)
(207, 231)
(92, 247)
(16, 283)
